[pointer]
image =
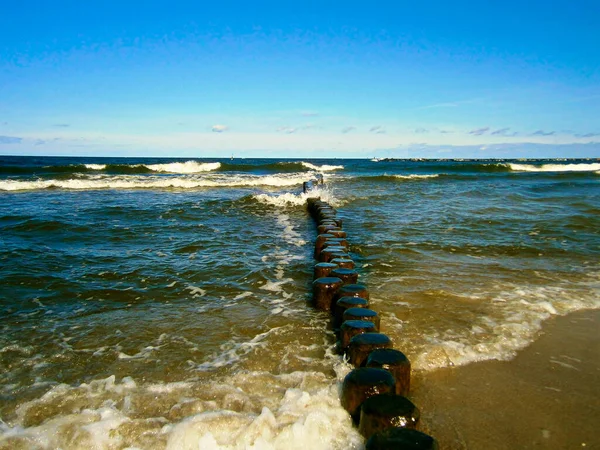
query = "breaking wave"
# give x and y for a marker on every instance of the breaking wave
(555, 167)
(151, 182)
(184, 167)
(323, 168)
(416, 177)
(290, 199)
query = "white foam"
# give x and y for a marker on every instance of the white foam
(231, 352)
(290, 235)
(243, 410)
(283, 200)
(275, 286)
(94, 430)
(512, 323)
(555, 167)
(167, 388)
(192, 181)
(416, 177)
(288, 199)
(195, 290)
(323, 168)
(279, 258)
(243, 295)
(95, 166)
(184, 167)
(145, 353)
(27, 351)
(302, 419)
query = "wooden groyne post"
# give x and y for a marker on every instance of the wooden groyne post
(375, 393)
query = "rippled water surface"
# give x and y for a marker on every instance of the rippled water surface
(154, 303)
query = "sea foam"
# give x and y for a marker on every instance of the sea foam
(416, 177)
(555, 167)
(184, 167)
(323, 168)
(153, 182)
(289, 199)
(95, 166)
(300, 410)
(512, 323)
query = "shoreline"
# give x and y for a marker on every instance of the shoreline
(547, 397)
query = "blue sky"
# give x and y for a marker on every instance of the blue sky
(300, 79)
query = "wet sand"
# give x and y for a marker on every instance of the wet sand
(548, 397)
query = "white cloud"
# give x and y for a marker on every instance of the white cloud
(377, 129)
(219, 128)
(286, 130)
(544, 133)
(479, 131)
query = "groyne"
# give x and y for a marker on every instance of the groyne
(375, 393)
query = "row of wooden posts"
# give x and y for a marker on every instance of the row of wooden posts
(374, 392)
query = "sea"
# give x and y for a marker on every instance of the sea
(164, 303)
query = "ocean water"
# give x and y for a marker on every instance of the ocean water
(165, 303)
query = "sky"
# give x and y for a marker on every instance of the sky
(300, 79)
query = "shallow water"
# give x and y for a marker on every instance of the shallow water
(165, 303)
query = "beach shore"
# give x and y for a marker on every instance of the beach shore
(547, 397)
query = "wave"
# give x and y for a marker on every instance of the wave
(469, 167)
(323, 168)
(301, 410)
(442, 166)
(34, 170)
(416, 177)
(457, 175)
(188, 167)
(184, 167)
(173, 167)
(472, 167)
(289, 199)
(272, 167)
(46, 226)
(502, 333)
(278, 167)
(151, 182)
(555, 167)
(404, 177)
(283, 200)
(95, 166)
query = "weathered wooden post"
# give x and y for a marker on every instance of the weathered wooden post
(324, 290)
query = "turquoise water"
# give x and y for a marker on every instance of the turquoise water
(162, 303)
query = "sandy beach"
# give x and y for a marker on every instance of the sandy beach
(547, 397)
